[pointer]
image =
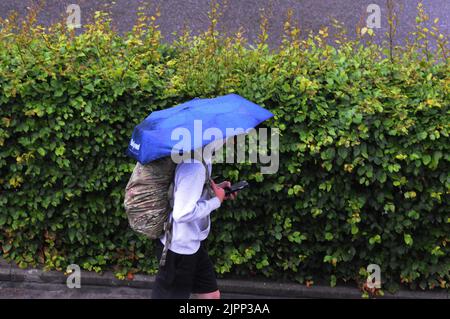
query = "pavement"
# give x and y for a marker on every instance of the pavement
(175, 14)
(16, 283)
(27, 290)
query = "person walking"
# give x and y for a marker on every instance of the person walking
(185, 267)
(188, 270)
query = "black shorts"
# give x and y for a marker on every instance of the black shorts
(184, 274)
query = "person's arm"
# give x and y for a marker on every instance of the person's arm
(189, 181)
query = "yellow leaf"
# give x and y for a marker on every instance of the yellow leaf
(6, 121)
(348, 168)
(15, 181)
(30, 112)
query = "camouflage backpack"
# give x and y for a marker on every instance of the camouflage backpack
(149, 199)
(148, 196)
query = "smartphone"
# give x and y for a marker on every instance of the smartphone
(236, 187)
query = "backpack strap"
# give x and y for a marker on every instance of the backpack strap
(207, 183)
(169, 223)
(168, 226)
(198, 156)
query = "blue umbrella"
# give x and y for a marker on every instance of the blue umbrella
(159, 134)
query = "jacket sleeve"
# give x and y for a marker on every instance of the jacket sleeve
(188, 205)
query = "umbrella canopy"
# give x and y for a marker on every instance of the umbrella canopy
(185, 126)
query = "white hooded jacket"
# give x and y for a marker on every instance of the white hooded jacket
(192, 205)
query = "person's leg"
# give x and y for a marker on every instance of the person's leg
(205, 283)
(175, 279)
(209, 295)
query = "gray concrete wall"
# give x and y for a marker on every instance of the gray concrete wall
(311, 14)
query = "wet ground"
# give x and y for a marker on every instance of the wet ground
(311, 14)
(27, 290)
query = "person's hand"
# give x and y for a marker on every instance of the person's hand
(227, 184)
(224, 184)
(219, 191)
(231, 196)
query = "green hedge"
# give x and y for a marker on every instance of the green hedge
(364, 162)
